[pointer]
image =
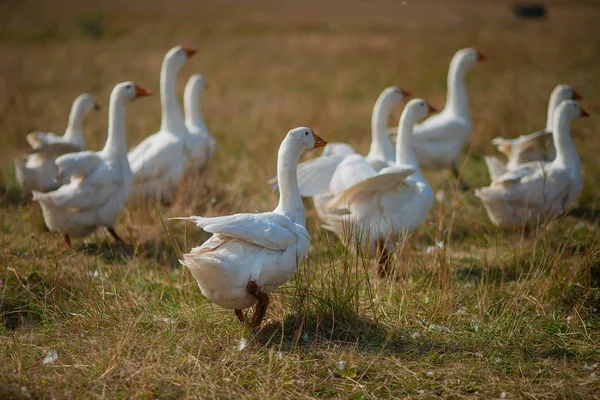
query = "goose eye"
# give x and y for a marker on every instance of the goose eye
(306, 133)
(128, 87)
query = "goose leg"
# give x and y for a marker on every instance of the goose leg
(67, 239)
(263, 302)
(240, 315)
(461, 184)
(114, 234)
(385, 258)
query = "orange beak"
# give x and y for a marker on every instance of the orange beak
(481, 57)
(141, 92)
(406, 93)
(431, 109)
(584, 113)
(577, 96)
(319, 142)
(189, 51)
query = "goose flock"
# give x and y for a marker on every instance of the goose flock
(371, 202)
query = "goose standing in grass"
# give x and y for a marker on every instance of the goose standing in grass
(157, 163)
(98, 182)
(383, 207)
(200, 143)
(36, 170)
(440, 139)
(317, 176)
(537, 192)
(250, 255)
(536, 146)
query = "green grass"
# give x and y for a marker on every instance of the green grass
(492, 314)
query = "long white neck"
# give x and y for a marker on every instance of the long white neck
(456, 98)
(116, 143)
(381, 145)
(290, 202)
(555, 99)
(404, 149)
(191, 104)
(74, 131)
(172, 117)
(566, 153)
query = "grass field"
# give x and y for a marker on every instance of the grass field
(473, 312)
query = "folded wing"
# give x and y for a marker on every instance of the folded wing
(270, 230)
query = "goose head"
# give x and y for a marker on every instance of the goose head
(572, 110)
(565, 92)
(179, 55)
(393, 95)
(304, 139)
(468, 58)
(85, 102)
(129, 91)
(419, 109)
(196, 84)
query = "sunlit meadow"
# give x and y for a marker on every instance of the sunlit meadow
(471, 311)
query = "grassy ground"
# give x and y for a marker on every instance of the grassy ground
(488, 314)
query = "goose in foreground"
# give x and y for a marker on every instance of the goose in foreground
(98, 182)
(440, 139)
(316, 176)
(157, 163)
(35, 170)
(200, 143)
(536, 146)
(383, 207)
(537, 192)
(250, 255)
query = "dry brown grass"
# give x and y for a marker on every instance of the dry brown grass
(491, 312)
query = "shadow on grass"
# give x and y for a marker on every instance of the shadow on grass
(494, 274)
(109, 251)
(11, 196)
(586, 214)
(302, 330)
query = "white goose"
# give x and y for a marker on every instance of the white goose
(250, 255)
(36, 170)
(538, 192)
(157, 163)
(99, 182)
(439, 140)
(200, 143)
(536, 146)
(383, 207)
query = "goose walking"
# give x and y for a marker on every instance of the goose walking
(35, 170)
(383, 207)
(157, 163)
(440, 139)
(98, 182)
(200, 143)
(250, 255)
(537, 192)
(536, 146)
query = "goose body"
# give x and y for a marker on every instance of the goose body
(35, 170)
(537, 192)
(250, 255)
(537, 146)
(380, 208)
(157, 163)
(200, 144)
(98, 182)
